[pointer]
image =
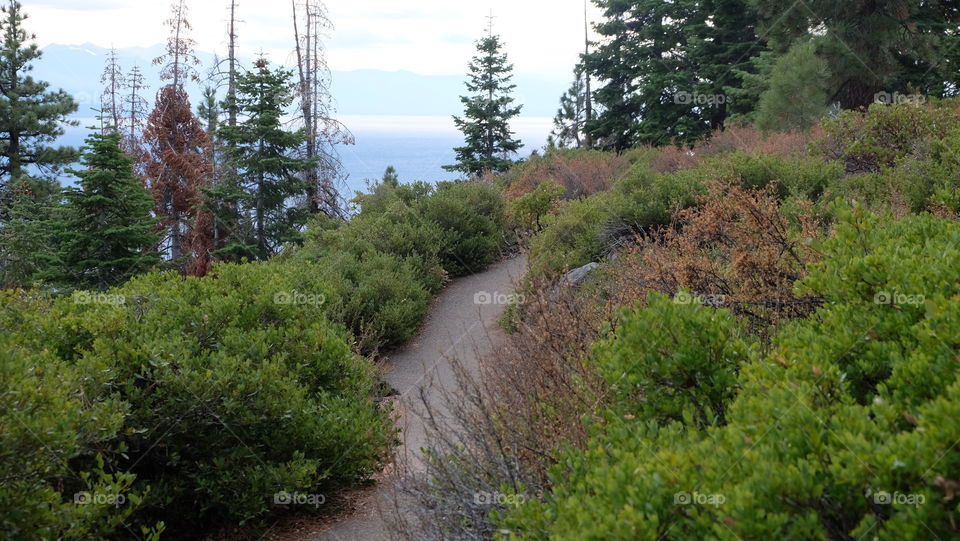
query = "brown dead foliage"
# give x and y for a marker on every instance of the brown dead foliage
(733, 139)
(738, 250)
(582, 173)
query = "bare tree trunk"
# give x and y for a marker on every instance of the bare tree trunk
(322, 131)
(588, 96)
(232, 66)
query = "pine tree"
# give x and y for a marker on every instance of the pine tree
(572, 116)
(668, 69)
(322, 132)
(134, 113)
(488, 109)
(724, 45)
(27, 239)
(175, 159)
(106, 232)
(31, 116)
(264, 155)
(872, 46)
(641, 65)
(797, 96)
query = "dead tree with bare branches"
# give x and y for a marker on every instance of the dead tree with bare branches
(324, 133)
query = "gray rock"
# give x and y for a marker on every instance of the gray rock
(577, 277)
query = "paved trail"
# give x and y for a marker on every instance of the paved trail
(457, 328)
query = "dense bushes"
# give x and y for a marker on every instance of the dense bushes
(580, 172)
(643, 203)
(215, 394)
(401, 247)
(674, 361)
(845, 428)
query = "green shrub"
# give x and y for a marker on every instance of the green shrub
(528, 210)
(806, 177)
(571, 237)
(472, 216)
(878, 138)
(235, 385)
(647, 201)
(672, 361)
(377, 295)
(399, 232)
(846, 428)
(49, 433)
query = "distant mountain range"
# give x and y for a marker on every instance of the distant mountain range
(77, 69)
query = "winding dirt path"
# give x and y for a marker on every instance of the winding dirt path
(458, 327)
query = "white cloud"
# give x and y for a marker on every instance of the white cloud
(543, 37)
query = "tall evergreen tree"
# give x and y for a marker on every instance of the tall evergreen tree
(641, 66)
(488, 109)
(106, 231)
(111, 100)
(31, 116)
(872, 46)
(571, 119)
(667, 70)
(269, 172)
(27, 241)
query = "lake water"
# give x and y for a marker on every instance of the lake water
(417, 146)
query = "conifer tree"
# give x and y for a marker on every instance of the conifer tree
(27, 240)
(667, 70)
(572, 117)
(106, 232)
(134, 113)
(269, 172)
(31, 116)
(870, 46)
(112, 98)
(488, 109)
(176, 164)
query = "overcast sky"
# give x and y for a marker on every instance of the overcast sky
(543, 37)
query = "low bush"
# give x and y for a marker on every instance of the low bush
(471, 216)
(571, 237)
(217, 393)
(580, 172)
(673, 361)
(379, 296)
(403, 245)
(845, 428)
(868, 142)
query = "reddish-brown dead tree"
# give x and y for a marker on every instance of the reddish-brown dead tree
(176, 158)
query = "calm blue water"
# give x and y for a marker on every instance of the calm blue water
(418, 147)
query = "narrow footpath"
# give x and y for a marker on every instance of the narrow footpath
(462, 325)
